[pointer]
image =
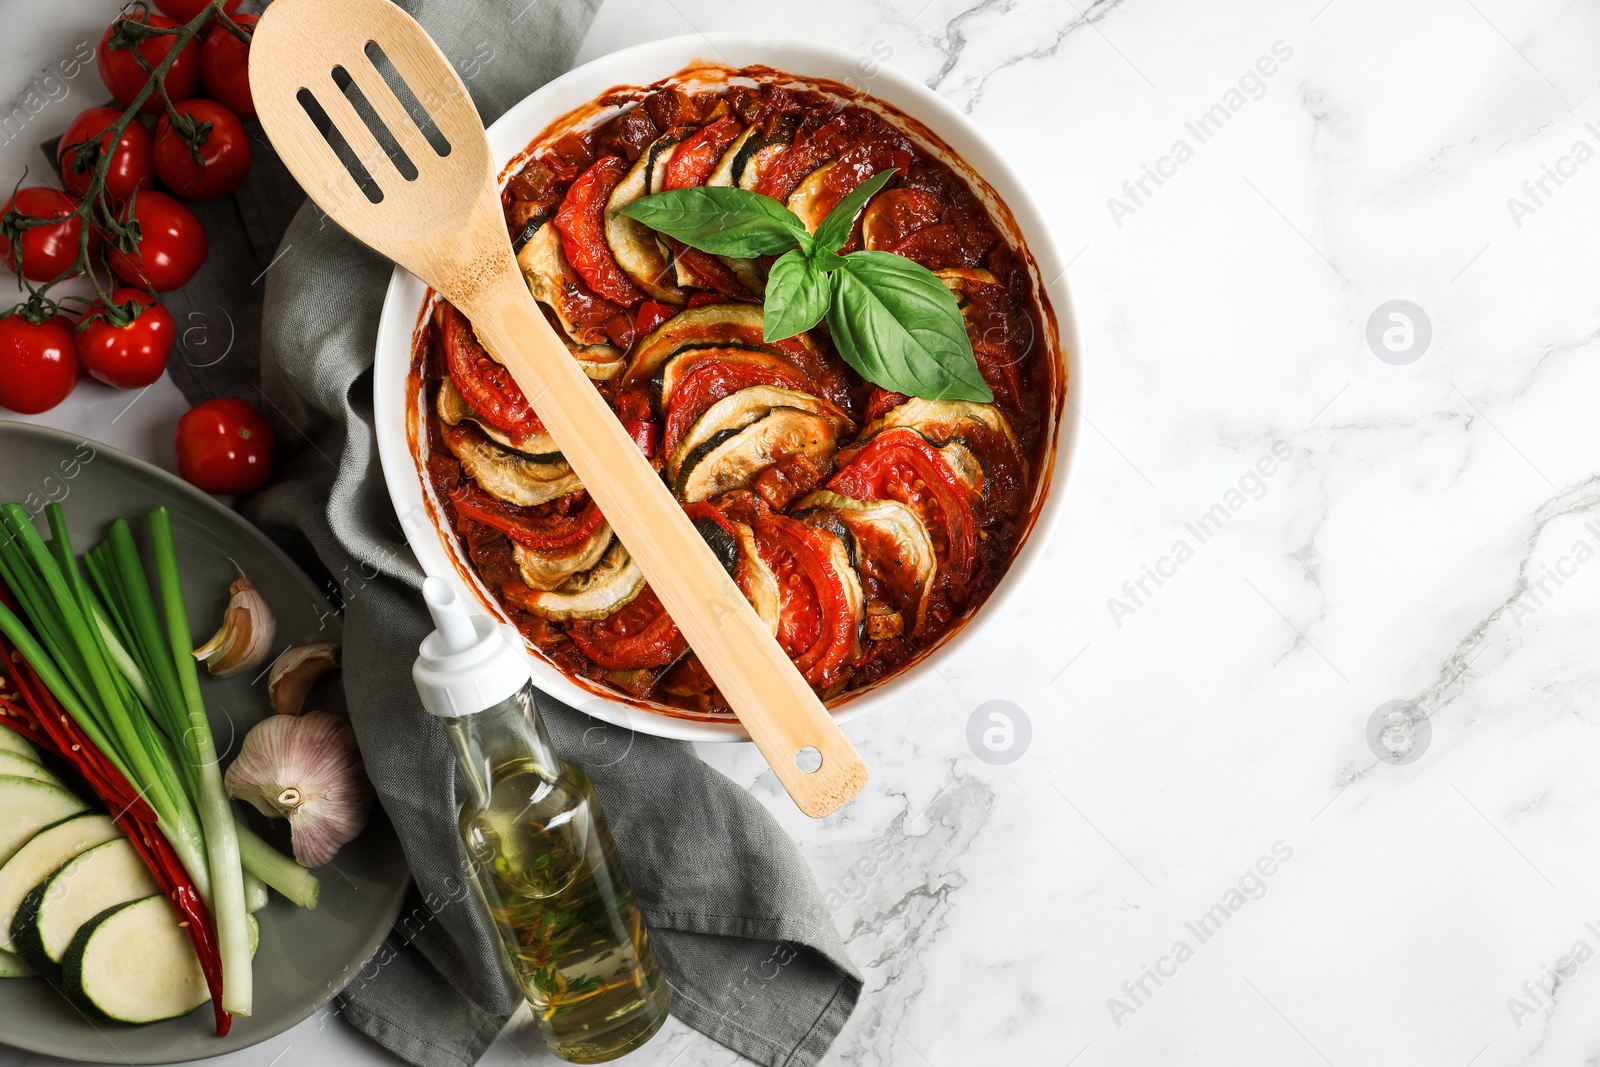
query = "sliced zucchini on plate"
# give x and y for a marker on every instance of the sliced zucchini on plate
(732, 458)
(28, 806)
(15, 765)
(44, 852)
(17, 745)
(632, 243)
(740, 409)
(14, 966)
(134, 963)
(81, 888)
(594, 593)
(507, 474)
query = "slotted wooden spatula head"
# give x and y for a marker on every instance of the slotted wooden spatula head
(371, 119)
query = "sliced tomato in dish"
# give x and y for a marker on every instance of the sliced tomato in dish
(860, 141)
(711, 273)
(562, 524)
(581, 222)
(483, 382)
(700, 152)
(638, 635)
(819, 597)
(713, 379)
(899, 464)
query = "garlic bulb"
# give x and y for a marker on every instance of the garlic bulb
(245, 636)
(305, 768)
(294, 672)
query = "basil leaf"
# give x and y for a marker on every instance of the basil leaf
(797, 297)
(899, 327)
(834, 231)
(722, 221)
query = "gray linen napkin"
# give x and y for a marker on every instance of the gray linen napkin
(744, 937)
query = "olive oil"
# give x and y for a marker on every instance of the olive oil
(550, 876)
(537, 843)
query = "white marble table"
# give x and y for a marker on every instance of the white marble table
(1199, 855)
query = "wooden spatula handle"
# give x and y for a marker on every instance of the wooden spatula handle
(777, 707)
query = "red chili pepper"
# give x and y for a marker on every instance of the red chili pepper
(700, 300)
(64, 738)
(652, 313)
(581, 222)
(644, 435)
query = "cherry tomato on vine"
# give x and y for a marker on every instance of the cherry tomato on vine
(184, 10)
(224, 149)
(225, 70)
(130, 356)
(38, 366)
(48, 250)
(123, 75)
(224, 446)
(171, 248)
(131, 166)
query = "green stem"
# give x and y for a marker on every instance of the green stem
(274, 868)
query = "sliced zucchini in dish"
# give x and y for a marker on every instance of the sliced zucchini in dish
(134, 963)
(807, 199)
(14, 966)
(957, 279)
(25, 768)
(711, 326)
(655, 160)
(17, 745)
(632, 243)
(454, 410)
(740, 409)
(507, 474)
(600, 362)
(942, 421)
(95, 879)
(594, 593)
(44, 852)
(545, 570)
(28, 806)
(891, 546)
(748, 157)
(732, 458)
(756, 579)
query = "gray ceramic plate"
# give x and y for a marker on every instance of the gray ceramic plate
(305, 956)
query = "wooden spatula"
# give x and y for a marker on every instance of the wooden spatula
(427, 199)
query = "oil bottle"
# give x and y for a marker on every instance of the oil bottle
(538, 844)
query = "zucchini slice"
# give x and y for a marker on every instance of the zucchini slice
(732, 458)
(453, 410)
(594, 593)
(134, 963)
(44, 852)
(81, 888)
(547, 570)
(942, 421)
(748, 157)
(740, 409)
(756, 578)
(28, 806)
(712, 326)
(14, 966)
(17, 745)
(805, 201)
(632, 243)
(891, 545)
(507, 474)
(18, 767)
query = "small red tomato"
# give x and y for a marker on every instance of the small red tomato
(38, 367)
(172, 244)
(122, 74)
(133, 355)
(225, 69)
(223, 145)
(48, 251)
(184, 10)
(131, 168)
(224, 446)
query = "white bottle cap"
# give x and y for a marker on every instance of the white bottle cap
(468, 663)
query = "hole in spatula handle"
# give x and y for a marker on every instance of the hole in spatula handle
(808, 759)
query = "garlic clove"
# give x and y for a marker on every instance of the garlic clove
(307, 769)
(245, 637)
(294, 673)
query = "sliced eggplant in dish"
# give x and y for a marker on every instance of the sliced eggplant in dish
(731, 459)
(892, 553)
(505, 473)
(738, 410)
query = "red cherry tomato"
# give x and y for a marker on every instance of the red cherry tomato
(123, 75)
(224, 446)
(225, 70)
(185, 10)
(38, 366)
(171, 248)
(131, 168)
(48, 251)
(130, 356)
(224, 152)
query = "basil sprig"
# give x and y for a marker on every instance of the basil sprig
(891, 318)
